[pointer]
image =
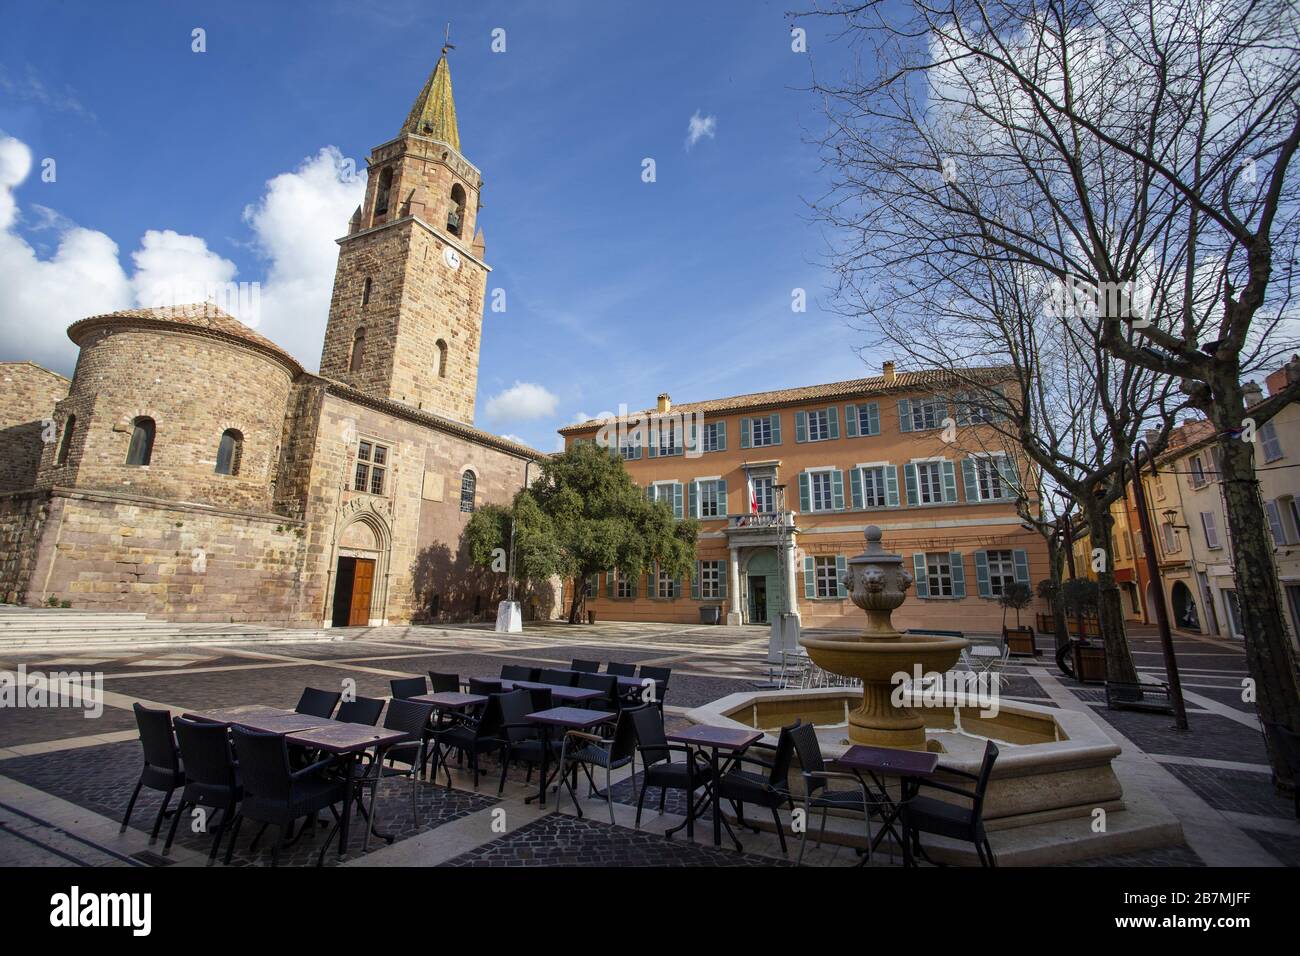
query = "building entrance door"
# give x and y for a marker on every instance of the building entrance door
(757, 599)
(353, 586)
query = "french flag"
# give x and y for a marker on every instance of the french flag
(753, 498)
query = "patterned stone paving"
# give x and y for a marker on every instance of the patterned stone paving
(1237, 791)
(562, 840)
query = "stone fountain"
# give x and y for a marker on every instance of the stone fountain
(877, 582)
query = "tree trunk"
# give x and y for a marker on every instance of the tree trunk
(1110, 610)
(1269, 653)
(1056, 555)
(575, 607)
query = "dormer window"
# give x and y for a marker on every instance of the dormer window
(456, 214)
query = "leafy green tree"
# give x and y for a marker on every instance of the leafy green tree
(1015, 597)
(583, 516)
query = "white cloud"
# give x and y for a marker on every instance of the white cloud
(521, 402)
(699, 127)
(294, 225)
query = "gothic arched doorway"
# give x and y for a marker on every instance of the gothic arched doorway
(361, 573)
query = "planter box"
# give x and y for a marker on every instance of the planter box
(1090, 663)
(1020, 641)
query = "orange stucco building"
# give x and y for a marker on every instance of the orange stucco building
(785, 482)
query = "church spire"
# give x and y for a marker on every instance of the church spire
(434, 112)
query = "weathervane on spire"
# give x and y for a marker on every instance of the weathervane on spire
(446, 41)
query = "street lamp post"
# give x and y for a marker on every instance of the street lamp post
(1153, 572)
(509, 618)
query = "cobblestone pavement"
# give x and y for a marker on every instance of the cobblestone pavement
(88, 767)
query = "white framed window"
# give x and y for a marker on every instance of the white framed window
(710, 579)
(874, 494)
(938, 573)
(928, 413)
(824, 576)
(760, 432)
(929, 482)
(988, 479)
(1002, 571)
(1269, 442)
(710, 501)
(1197, 477)
(1171, 538)
(1211, 528)
(714, 437)
(972, 411)
(764, 494)
(592, 587)
(372, 467)
(667, 439)
(819, 425)
(468, 483)
(665, 585)
(821, 491)
(624, 587)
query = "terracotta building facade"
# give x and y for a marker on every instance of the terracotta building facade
(193, 470)
(784, 484)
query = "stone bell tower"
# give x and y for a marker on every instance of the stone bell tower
(406, 315)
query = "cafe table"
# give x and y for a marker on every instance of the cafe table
(732, 740)
(559, 692)
(350, 741)
(910, 766)
(259, 717)
(567, 718)
(443, 702)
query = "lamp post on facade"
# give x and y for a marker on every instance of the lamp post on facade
(1153, 572)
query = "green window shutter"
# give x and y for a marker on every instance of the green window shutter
(873, 418)
(962, 417)
(918, 571)
(720, 429)
(609, 584)
(677, 587)
(833, 418)
(805, 497)
(744, 433)
(891, 485)
(841, 567)
(982, 574)
(694, 433)
(800, 426)
(943, 410)
(695, 582)
(949, 481)
(904, 414)
(677, 499)
(776, 429)
(652, 440)
(724, 571)
(1021, 560)
(1275, 523)
(837, 489)
(909, 479)
(851, 421)
(968, 479)
(855, 488)
(693, 501)
(722, 497)
(809, 579)
(958, 574)
(1010, 474)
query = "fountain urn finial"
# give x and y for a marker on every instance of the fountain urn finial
(877, 583)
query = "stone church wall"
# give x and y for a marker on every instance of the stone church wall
(28, 394)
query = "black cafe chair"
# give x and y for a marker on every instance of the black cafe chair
(211, 777)
(539, 698)
(405, 758)
(362, 710)
(767, 787)
(162, 762)
(922, 814)
(659, 769)
(443, 683)
(818, 793)
(520, 739)
(587, 750)
(561, 678)
(607, 684)
(315, 702)
(660, 676)
(406, 687)
(277, 795)
(619, 669)
(584, 667)
(518, 672)
(471, 734)
(484, 688)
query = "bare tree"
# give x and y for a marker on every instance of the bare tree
(1134, 153)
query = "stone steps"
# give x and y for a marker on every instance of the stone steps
(40, 628)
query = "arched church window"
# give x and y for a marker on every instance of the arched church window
(442, 359)
(358, 346)
(230, 452)
(456, 214)
(365, 291)
(382, 190)
(65, 445)
(140, 451)
(467, 484)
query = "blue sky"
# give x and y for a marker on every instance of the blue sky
(617, 289)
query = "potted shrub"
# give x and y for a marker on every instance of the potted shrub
(1082, 599)
(1020, 640)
